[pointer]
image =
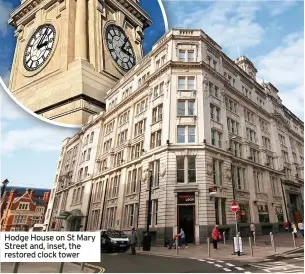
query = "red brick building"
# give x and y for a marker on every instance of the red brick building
(20, 213)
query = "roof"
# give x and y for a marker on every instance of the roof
(38, 192)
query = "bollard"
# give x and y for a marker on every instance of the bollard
(293, 237)
(61, 267)
(15, 267)
(82, 266)
(224, 237)
(251, 248)
(209, 250)
(254, 238)
(272, 241)
(237, 243)
(177, 243)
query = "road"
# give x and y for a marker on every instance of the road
(126, 263)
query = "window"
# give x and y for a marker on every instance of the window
(249, 116)
(270, 161)
(107, 145)
(186, 55)
(155, 211)
(126, 92)
(141, 106)
(275, 186)
(238, 177)
(157, 113)
(236, 148)
(133, 180)
(122, 137)
(186, 163)
(285, 156)
(86, 172)
(155, 139)
(186, 107)
(246, 92)
(230, 104)
(186, 82)
(215, 113)
(159, 90)
(233, 126)
(113, 188)
(251, 135)
(139, 128)
(80, 174)
(254, 155)
(216, 138)
(136, 151)
(88, 154)
(220, 204)
(109, 127)
(91, 137)
(110, 217)
(186, 134)
(118, 158)
(282, 140)
(124, 118)
(20, 219)
(23, 206)
(155, 168)
(263, 213)
(214, 90)
(130, 215)
(279, 213)
(244, 213)
(258, 181)
(143, 78)
(217, 172)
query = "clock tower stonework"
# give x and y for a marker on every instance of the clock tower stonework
(69, 53)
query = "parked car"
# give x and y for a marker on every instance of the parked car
(114, 240)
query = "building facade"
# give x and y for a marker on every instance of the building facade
(206, 132)
(65, 50)
(21, 212)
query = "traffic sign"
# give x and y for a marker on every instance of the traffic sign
(234, 206)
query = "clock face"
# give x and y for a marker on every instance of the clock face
(120, 47)
(39, 47)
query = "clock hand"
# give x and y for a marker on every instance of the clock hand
(123, 46)
(42, 38)
(126, 52)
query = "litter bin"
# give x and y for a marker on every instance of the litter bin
(146, 242)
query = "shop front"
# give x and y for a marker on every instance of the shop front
(294, 201)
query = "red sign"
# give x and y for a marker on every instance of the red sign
(234, 206)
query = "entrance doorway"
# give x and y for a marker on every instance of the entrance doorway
(186, 221)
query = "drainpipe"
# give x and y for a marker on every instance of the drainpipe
(103, 209)
(285, 204)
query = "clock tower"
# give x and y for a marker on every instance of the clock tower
(69, 53)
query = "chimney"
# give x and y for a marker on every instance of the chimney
(245, 64)
(12, 195)
(46, 197)
(31, 193)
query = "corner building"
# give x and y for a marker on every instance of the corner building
(208, 132)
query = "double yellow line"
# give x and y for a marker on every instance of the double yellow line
(101, 269)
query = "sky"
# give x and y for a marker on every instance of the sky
(30, 147)
(269, 33)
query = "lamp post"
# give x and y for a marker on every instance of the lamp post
(4, 184)
(147, 237)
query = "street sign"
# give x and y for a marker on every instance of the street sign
(234, 206)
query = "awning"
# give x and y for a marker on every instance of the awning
(63, 215)
(76, 213)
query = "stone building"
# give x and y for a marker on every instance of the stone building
(206, 131)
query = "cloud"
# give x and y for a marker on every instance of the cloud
(284, 68)
(5, 10)
(36, 138)
(280, 7)
(231, 24)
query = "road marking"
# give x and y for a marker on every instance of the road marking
(230, 264)
(210, 262)
(218, 265)
(201, 260)
(101, 269)
(220, 261)
(299, 259)
(227, 269)
(247, 272)
(239, 268)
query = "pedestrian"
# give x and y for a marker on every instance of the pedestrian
(182, 239)
(215, 236)
(252, 229)
(301, 228)
(285, 226)
(294, 229)
(133, 241)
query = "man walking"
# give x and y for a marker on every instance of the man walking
(182, 240)
(133, 241)
(301, 228)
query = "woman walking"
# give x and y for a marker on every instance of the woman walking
(215, 236)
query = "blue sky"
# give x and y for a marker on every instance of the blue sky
(270, 33)
(29, 146)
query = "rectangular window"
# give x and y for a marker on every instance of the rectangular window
(141, 106)
(181, 134)
(216, 138)
(223, 211)
(183, 131)
(244, 216)
(155, 212)
(180, 169)
(191, 134)
(158, 90)
(191, 169)
(217, 172)
(185, 107)
(263, 213)
(157, 113)
(186, 82)
(231, 104)
(238, 177)
(233, 126)
(155, 139)
(182, 55)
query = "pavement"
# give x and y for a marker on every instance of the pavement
(50, 268)
(262, 249)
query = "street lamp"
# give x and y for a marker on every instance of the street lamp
(4, 184)
(147, 237)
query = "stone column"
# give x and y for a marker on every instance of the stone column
(81, 31)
